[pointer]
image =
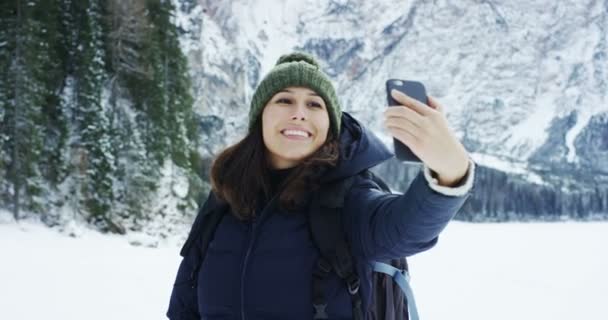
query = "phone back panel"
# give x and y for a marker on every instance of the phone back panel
(415, 90)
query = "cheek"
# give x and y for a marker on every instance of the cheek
(323, 128)
(268, 137)
(267, 123)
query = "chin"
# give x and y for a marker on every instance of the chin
(295, 157)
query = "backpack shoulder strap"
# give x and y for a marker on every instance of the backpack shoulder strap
(208, 218)
(197, 226)
(402, 278)
(328, 234)
(397, 269)
(325, 216)
(325, 220)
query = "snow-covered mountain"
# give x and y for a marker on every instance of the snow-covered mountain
(524, 83)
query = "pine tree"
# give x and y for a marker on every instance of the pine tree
(54, 164)
(136, 173)
(66, 119)
(162, 99)
(177, 101)
(161, 90)
(24, 97)
(7, 44)
(178, 120)
(136, 190)
(91, 139)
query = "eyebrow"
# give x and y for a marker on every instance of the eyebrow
(310, 94)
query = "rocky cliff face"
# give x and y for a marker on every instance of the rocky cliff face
(524, 83)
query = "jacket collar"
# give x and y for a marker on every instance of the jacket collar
(360, 149)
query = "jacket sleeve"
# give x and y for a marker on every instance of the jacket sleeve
(387, 226)
(183, 304)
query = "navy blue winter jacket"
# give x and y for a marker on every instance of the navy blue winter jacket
(263, 269)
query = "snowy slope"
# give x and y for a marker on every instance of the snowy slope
(476, 272)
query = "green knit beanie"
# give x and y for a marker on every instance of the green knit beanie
(296, 69)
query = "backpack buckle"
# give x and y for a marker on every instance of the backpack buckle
(353, 284)
(320, 312)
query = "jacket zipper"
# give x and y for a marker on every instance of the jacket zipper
(257, 217)
(249, 248)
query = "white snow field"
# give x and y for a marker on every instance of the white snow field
(476, 272)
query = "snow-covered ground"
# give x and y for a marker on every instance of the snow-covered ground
(477, 271)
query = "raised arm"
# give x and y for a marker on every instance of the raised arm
(386, 226)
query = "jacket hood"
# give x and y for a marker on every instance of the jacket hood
(360, 149)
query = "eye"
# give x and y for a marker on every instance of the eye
(283, 100)
(316, 104)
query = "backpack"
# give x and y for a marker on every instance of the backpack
(392, 297)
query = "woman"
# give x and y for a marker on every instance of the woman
(260, 261)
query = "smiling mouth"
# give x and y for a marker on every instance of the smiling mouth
(296, 134)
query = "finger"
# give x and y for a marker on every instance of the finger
(403, 124)
(433, 103)
(412, 103)
(404, 136)
(404, 112)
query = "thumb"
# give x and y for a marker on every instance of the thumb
(433, 103)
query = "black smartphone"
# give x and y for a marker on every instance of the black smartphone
(415, 90)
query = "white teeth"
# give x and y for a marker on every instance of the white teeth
(295, 133)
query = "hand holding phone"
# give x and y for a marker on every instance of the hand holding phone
(415, 90)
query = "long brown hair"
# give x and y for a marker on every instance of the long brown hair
(240, 174)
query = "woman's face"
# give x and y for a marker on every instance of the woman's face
(295, 123)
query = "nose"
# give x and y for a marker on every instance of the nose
(299, 112)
